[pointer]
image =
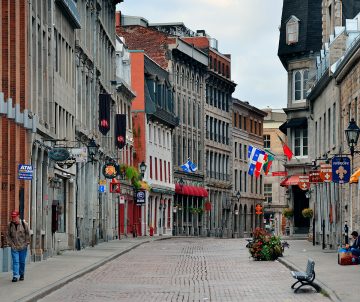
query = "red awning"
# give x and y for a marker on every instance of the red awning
(290, 181)
(191, 191)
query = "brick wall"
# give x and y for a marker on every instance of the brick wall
(13, 83)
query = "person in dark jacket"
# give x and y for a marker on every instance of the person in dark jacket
(355, 248)
(18, 238)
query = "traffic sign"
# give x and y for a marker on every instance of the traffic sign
(326, 172)
(304, 182)
(102, 189)
(340, 169)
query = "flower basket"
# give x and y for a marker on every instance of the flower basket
(288, 213)
(265, 247)
(307, 213)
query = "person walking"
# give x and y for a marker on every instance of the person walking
(18, 238)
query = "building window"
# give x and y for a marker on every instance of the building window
(268, 192)
(156, 170)
(236, 180)
(300, 146)
(160, 166)
(235, 149)
(267, 144)
(300, 80)
(151, 168)
(169, 172)
(292, 30)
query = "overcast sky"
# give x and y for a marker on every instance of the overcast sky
(247, 29)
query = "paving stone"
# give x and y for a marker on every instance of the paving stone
(186, 270)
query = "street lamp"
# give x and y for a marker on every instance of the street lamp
(92, 149)
(142, 169)
(238, 195)
(352, 135)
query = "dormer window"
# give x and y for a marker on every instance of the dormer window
(292, 30)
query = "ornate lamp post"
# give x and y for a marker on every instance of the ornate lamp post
(92, 150)
(142, 169)
(352, 136)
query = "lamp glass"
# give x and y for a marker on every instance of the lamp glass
(352, 133)
(92, 148)
(238, 195)
(142, 167)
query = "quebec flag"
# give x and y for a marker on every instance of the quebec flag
(189, 166)
(257, 158)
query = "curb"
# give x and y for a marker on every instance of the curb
(327, 291)
(60, 283)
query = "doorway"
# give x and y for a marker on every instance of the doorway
(301, 224)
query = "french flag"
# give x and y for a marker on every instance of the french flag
(257, 158)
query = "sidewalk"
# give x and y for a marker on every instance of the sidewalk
(340, 282)
(45, 276)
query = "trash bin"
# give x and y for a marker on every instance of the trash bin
(151, 231)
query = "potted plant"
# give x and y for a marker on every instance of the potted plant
(307, 212)
(288, 213)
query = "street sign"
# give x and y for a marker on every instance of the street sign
(326, 172)
(80, 154)
(102, 182)
(304, 182)
(25, 172)
(314, 177)
(102, 189)
(122, 199)
(340, 169)
(140, 197)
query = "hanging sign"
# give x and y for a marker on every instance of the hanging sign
(111, 170)
(279, 173)
(59, 154)
(314, 177)
(140, 197)
(122, 199)
(340, 169)
(326, 172)
(115, 186)
(25, 172)
(80, 154)
(304, 182)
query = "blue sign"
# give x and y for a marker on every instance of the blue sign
(140, 197)
(102, 189)
(25, 172)
(341, 170)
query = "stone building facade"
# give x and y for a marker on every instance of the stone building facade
(218, 133)
(187, 69)
(67, 56)
(275, 195)
(247, 124)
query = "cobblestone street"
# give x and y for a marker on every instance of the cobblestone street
(186, 269)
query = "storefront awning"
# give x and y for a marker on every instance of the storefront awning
(191, 191)
(290, 181)
(355, 177)
(293, 123)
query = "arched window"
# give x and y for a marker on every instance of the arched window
(300, 80)
(182, 76)
(197, 86)
(245, 218)
(187, 79)
(177, 74)
(192, 81)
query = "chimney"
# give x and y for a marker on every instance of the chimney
(117, 20)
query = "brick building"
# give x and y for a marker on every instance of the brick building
(15, 123)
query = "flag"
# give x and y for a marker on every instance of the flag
(120, 130)
(185, 167)
(287, 150)
(192, 166)
(257, 158)
(189, 166)
(268, 163)
(104, 112)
